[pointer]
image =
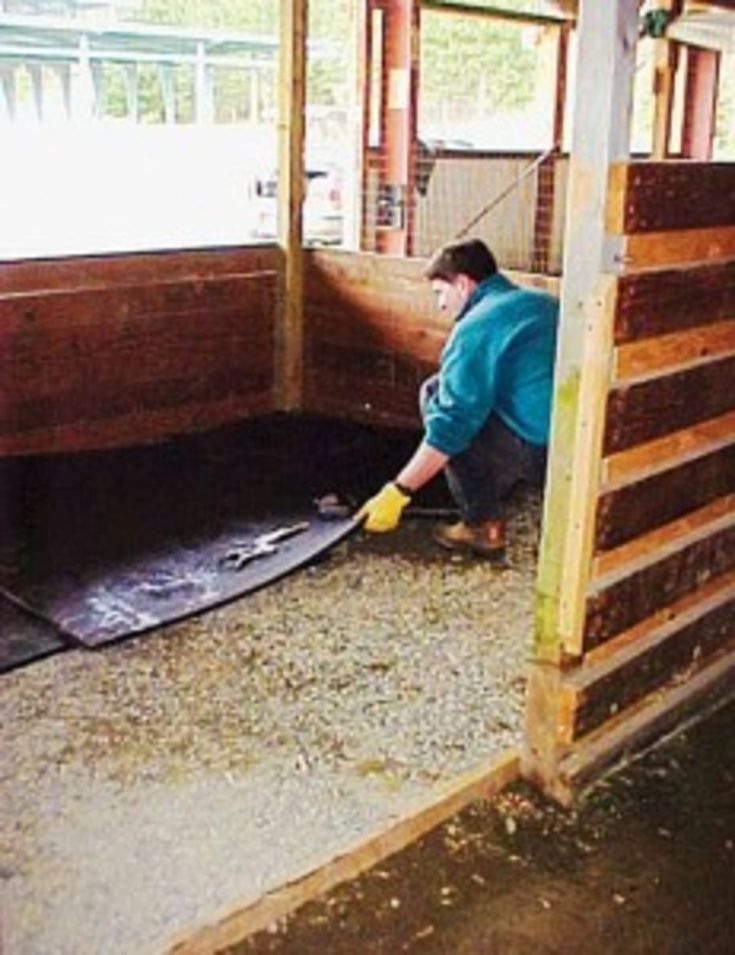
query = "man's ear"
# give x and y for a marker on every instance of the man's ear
(465, 284)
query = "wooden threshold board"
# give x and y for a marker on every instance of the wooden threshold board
(234, 926)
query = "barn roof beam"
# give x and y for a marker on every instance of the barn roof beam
(498, 13)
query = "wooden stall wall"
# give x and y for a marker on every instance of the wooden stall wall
(116, 350)
(372, 335)
(656, 640)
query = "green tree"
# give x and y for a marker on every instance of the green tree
(463, 60)
(254, 15)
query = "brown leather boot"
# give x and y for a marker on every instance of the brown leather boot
(486, 539)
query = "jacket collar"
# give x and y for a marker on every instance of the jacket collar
(494, 285)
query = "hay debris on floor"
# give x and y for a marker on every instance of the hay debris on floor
(165, 780)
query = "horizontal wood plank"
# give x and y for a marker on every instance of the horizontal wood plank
(650, 409)
(83, 405)
(673, 450)
(685, 247)
(648, 356)
(615, 607)
(661, 196)
(373, 334)
(112, 271)
(248, 916)
(373, 330)
(650, 304)
(351, 398)
(602, 692)
(704, 691)
(630, 554)
(81, 319)
(130, 343)
(630, 511)
(139, 427)
(371, 365)
(392, 271)
(683, 608)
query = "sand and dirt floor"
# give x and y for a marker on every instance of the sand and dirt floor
(161, 782)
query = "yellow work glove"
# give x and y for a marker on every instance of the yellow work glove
(383, 512)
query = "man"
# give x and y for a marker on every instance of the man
(486, 412)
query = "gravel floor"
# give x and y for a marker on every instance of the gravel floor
(163, 780)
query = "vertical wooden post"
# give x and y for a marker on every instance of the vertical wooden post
(359, 118)
(664, 70)
(601, 136)
(546, 173)
(289, 359)
(700, 100)
(666, 61)
(400, 64)
(367, 39)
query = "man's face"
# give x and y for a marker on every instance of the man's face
(451, 296)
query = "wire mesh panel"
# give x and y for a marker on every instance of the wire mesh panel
(461, 186)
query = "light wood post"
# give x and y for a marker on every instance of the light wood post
(358, 121)
(601, 136)
(666, 60)
(546, 174)
(291, 111)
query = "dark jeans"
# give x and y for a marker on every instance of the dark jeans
(483, 476)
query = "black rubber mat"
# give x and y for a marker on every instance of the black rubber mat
(92, 605)
(24, 638)
(110, 544)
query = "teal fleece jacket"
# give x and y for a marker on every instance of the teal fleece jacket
(499, 358)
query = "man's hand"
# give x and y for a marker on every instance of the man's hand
(383, 512)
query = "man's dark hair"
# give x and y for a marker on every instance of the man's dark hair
(471, 257)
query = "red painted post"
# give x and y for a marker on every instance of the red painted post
(700, 102)
(394, 235)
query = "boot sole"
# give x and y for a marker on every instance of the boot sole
(494, 556)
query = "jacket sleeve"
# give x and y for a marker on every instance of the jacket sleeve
(466, 394)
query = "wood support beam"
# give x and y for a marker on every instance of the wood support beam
(607, 42)
(601, 137)
(546, 174)
(700, 102)
(497, 13)
(666, 60)
(291, 112)
(691, 700)
(359, 127)
(398, 122)
(251, 916)
(652, 457)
